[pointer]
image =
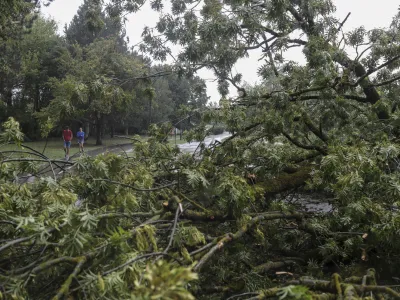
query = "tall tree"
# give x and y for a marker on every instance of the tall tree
(90, 23)
(98, 83)
(28, 62)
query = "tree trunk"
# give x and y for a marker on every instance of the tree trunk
(87, 129)
(9, 98)
(99, 127)
(286, 182)
(37, 99)
(150, 112)
(127, 130)
(112, 128)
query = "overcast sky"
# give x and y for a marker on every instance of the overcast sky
(370, 13)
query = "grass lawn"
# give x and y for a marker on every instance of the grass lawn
(171, 140)
(55, 146)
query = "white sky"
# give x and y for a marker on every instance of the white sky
(370, 13)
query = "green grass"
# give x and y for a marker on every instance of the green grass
(171, 140)
(55, 146)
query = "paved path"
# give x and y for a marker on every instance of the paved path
(127, 147)
(59, 168)
(192, 146)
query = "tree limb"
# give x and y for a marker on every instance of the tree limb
(65, 287)
(231, 237)
(303, 146)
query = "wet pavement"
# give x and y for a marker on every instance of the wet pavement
(192, 146)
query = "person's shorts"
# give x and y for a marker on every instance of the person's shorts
(80, 142)
(67, 144)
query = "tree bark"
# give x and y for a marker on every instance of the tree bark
(99, 127)
(87, 129)
(37, 99)
(150, 111)
(112, 129)
(286, 182)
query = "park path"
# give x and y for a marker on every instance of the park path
(28, 178)
(118, 148)
(192, 146)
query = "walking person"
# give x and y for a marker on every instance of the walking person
(67, 137)
(81, 138)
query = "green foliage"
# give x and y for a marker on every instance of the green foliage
(11, 132)
(217, 129)
(163, 281)
(144, 235)
(189, 236)
(294, 292)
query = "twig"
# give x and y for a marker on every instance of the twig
(244, 294)
(131, 215)
(189, 200)
(376, 69)
(24, 239)
(42, 160)
(344, 21)
(16, 242)
(132, 261)
(173, 231)
(203, 248)
(44, 156)
(387, 81)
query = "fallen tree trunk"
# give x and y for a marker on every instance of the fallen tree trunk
(286, 182)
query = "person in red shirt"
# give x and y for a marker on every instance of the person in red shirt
(67, 137)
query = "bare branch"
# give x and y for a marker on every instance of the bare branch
(376, 69)
(344, 21)
(303, 146)
(387, 81)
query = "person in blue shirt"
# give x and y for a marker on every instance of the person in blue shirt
(81, 138)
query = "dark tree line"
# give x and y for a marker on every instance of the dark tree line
(88, 77)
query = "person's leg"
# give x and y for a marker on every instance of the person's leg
(65, 148)
(68, 146)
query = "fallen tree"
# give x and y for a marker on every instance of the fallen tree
(160, 224)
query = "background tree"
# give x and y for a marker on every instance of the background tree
(27, 65)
